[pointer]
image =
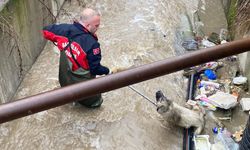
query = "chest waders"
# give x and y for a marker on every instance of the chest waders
(67, 77)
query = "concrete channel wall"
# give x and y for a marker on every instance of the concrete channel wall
(242, 30)
(238, 16)
(21, 42)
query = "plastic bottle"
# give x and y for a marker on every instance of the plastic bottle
(225, 138)
(209, 83)
(210, 74)
(211, 65)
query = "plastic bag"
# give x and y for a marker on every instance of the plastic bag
(207, 43)
(223, 100)
(190, 45)
(225, 138)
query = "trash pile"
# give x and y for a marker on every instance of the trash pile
(216, 93)
(207, 41)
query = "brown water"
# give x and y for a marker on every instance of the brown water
(132, 33)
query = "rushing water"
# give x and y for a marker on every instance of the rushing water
(132, 33)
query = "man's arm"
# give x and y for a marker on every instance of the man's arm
(94, 59)
(54, 31)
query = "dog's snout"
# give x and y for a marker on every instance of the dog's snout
(158, 95)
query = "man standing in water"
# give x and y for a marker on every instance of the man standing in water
(80, 52)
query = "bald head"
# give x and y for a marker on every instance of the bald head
(87, 14)
(90, 19)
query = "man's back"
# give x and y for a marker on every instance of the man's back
(85, 47)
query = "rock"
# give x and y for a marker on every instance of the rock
(214, 37)
(245, 104)
(223, 34)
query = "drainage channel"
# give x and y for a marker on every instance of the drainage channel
(188, 143)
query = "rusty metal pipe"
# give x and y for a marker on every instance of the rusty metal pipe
(58, 97)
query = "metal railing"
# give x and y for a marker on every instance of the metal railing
(58, 97)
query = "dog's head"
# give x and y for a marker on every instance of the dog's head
(162, 102)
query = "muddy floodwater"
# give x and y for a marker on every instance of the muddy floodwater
(132, 33)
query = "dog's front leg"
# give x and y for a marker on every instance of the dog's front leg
(198, 130)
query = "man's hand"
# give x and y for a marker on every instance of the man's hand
(117, 69)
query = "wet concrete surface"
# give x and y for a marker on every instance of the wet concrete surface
(132, 33)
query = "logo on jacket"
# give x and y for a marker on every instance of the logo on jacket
(96, 51)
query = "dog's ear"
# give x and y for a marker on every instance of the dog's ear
(158, 95)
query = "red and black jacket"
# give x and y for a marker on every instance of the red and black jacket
(84, 46)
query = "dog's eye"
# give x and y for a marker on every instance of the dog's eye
(160, 107)
(159, 100)
(157, 109)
